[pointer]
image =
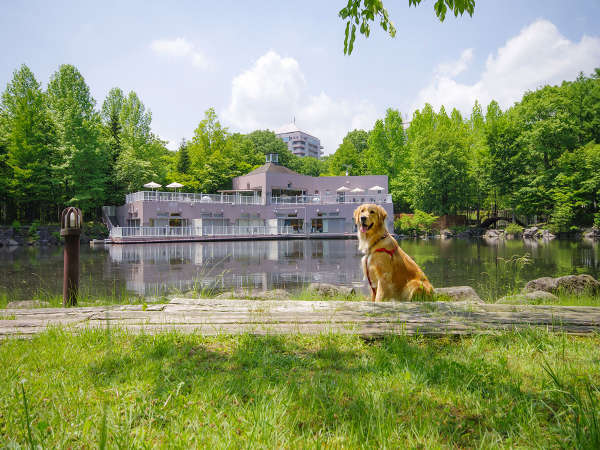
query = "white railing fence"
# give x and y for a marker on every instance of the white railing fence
(237, 199)
(206, 231)
(155, 196)
(331, 199)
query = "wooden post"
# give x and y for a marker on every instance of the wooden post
(70, 229)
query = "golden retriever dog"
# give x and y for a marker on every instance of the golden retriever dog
(390, 272)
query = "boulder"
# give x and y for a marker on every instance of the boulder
(273, 294)
(459, 294)
(27, 304)
(330, 290)
(530, 233)
(530, 298)
(446, 233)
(547, 235)
(594, 233)
(493, 234)
(575, 284)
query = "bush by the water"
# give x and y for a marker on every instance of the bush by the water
(418, 223)
(513, 228)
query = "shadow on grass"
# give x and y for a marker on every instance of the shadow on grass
(396, 385)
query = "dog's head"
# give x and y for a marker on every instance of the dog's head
(369, 217)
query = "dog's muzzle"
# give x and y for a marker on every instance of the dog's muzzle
(363, 225)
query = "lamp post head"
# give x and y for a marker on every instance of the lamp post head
(70, 221)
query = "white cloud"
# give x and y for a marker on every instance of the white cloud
(537, 56)
(274, 90)
(180, 48)
(454, 68)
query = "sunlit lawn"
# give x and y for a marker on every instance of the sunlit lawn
(186, 391)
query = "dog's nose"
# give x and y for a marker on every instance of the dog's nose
(363, 220)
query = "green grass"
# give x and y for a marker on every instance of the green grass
(172, 390)
(564, 299)
(86, 299)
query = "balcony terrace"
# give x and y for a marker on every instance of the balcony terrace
(241, 199)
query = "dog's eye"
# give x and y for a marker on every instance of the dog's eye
(372, 212)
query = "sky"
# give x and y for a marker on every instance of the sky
(260, 64)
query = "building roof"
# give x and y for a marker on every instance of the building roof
(272, 168)
(289, 128)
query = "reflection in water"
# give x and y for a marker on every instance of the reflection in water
(238, 264)
(152, 269)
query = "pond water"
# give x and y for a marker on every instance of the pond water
(493, 269)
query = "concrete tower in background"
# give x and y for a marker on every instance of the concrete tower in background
(299, 142)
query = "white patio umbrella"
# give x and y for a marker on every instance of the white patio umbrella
(152, 185)
(376, 188)
(357, 189)
(175, 186)
(342, 189)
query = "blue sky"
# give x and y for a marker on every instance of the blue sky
(261, 63)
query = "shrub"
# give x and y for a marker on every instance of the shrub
(33, 230)
(513, 228)
(95, 230)
(420, 222)
(15, 225)
(597, 220)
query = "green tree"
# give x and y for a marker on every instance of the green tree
(362, 12)
(183, 158)
(440, 176)
(29, 146)
(143, 157)
(83, 158)
(111, 119)
(348, 156)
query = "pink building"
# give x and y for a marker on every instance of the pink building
(272, 200)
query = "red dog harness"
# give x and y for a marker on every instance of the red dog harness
(385, 250)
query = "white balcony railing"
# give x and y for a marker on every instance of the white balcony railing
(237, 199)
(206, 231)
(332, 199)
(155, 196)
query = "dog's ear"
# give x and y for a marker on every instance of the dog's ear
(356, 213)
(382, 213)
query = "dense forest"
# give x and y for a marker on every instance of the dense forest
(540, 157)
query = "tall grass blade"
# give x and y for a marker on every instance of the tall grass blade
(27, 420)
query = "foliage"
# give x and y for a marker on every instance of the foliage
(362, 12)
(414, 224)
(513, 228)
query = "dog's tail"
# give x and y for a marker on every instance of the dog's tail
(420, 289)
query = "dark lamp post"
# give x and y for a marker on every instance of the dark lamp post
(70, 229)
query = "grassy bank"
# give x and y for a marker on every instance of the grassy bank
(184, 391)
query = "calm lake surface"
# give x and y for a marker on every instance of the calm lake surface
(156, 269)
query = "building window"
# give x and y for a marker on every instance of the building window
(289, 185)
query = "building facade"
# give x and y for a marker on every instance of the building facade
(299, 142)
(271, 200)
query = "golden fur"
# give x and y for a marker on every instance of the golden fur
(391, 272)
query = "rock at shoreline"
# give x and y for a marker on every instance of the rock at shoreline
(330, 290)
(493, 234)
(459, 294)
(529, 298)
(27, 304)
(575, 284)
(594, 233)
(536, 233)
(530, 233)
(274, 294)
(446, 233)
